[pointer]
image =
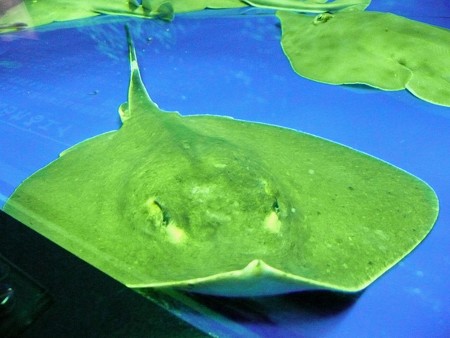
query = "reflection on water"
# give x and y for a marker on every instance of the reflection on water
(110, 38)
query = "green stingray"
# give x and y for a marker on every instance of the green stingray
(34, 13)
(381, 50)
(221, 206)
(311, 6)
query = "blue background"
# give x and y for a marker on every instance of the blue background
(64, 83)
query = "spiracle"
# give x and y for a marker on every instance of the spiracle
(322, 18)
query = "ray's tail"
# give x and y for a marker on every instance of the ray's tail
(131, 50)
(139, 102)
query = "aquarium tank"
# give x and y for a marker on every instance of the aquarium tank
(224, 168)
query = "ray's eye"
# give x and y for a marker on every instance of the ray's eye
(276, 206)
(156, 214)
(158, 221)
(272, 222)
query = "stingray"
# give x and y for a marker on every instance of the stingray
(381, 50)
(221, 206)
(17, 14)
(311, 6)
